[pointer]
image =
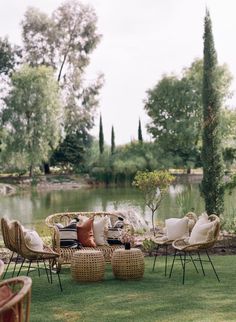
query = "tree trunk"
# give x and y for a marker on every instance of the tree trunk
(46, 167)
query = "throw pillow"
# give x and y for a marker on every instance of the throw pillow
(68, 236)
(176, 228)
(100, 227)
(85, 233)
(202, 233)
(114, 235)
(33, 241)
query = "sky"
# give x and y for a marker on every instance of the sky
(141, 41)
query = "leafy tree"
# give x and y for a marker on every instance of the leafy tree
(154, 186)
(175, 108)
(101, 136)
(140, 135)
(65, 41)
(9, 56)
(112, 140)
(31, 115)
(212, 185)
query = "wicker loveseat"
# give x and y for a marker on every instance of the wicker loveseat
(65, 218)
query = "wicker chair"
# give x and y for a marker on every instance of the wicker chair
(1, 267)
(9, 236)
(36, 256)
(17, 307)
(184, 249)
(161, 240)
(66, 254)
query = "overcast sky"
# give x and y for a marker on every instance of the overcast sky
(142, 40)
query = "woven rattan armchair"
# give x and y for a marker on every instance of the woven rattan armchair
(65, 218)
(29, 255)
(188, 251)
(1, 267)
(9, 239)
(161, 240)
(17, 307)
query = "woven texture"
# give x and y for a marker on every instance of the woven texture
(19, 305)
(66, 254)
(128, 264)
(88, 266)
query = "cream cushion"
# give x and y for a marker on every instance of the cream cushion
(33, 241)
(100, 227)
(202, 231)
(176, 228)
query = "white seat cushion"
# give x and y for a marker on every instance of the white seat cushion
(100, 227)
(176, 228)
(33, 240)
(202, 231)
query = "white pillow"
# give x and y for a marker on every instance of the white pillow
(203, 219)
(100, 226)
(33, 240)
(176, 228)
(201, 233)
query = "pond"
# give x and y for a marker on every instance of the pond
(31, 208)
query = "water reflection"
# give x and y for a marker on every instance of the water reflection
(33, 207)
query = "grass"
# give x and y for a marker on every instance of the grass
(154, 298)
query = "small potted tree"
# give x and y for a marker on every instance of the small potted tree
(154, 186)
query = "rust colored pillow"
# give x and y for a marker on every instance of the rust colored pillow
(5, 296)
(85, 233)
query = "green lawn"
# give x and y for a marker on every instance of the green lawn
(154, 298)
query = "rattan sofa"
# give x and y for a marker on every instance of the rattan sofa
(65, 218)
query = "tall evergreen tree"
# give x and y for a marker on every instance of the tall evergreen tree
(112, 140)
(101, 136)
(140, 135)
(212, 184)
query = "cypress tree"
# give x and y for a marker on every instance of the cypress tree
(212, 186)
(112, 140)
(140, 136)
(101, 136)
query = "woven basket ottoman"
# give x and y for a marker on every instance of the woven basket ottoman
(128, 264)
(88, 266)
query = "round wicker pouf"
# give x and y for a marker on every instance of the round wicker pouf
(88, 266)
(128, 264)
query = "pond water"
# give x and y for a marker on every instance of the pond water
(32, 208)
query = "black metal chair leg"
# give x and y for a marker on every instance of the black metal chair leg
(166, 246)
(184, 267)
(21, 267)
(8, 264)
(172, 264)
(193, 262)
(15, 265)
(29, 268)
(46, 270)
(155, 258)
(50, 270)
(58, 275)
(212, 266)
(200, 260)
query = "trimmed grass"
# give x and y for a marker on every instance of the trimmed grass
(154, 298)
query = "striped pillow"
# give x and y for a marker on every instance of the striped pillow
(68, 236)
(114, 235)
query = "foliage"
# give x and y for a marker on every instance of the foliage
(31, 116)
(175, 108)
(65, 41)
(148, 245)
(70, 153)
(154, 186)
(112, 140)
(140, 135)
(101, 136)
(8, 56)
(212, 186)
